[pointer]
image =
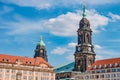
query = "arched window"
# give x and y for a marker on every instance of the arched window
(88, 39)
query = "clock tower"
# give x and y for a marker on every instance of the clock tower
(84, 53)
(40, 50)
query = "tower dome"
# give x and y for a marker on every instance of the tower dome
(41, 42)
(84, 22)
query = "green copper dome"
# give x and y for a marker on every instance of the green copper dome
(41, 43)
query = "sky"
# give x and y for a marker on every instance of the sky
(22, 22)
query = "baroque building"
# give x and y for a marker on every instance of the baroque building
(85, 67)
(24, 68)
(84, 54)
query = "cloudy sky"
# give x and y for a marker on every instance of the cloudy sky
(23, 21)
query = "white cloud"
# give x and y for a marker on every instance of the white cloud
(59, 50)
(39, 4)
(72, 44)
(70, 57)
(63, 25)
(67, 51)
(67, 24)
(104, 53)
(114, 17)
(42, 4)
(97, 46)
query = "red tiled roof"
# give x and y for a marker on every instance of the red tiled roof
(23, 60)
(105, 62)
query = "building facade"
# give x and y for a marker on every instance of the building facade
(24, 68)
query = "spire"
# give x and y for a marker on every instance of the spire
(84, 13)
(41, 43)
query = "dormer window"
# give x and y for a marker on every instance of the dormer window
(3, 59)
(30, 62)
(104, 66)
(114, 65)
(94, 67)
(99, 66)
(109, 65)
(7, 60)
(17, 60)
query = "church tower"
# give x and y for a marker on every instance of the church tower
(40, 50)
(84, 54)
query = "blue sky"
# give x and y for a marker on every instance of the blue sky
(23, 21)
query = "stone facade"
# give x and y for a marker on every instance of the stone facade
(84, 54)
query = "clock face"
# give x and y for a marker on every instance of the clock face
(89, 49)
(41, 51)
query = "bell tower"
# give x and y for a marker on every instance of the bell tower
(40, 50)
(84, 54)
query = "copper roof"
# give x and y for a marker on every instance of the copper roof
(111, 61)
(4, 58)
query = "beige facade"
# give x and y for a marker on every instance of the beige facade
(100, 74)
(20, 71)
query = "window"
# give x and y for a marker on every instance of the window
(118, 75)
(113, 75)
(103, 71)
(30, 78)
(107, 75)
(118, 70)
(24, 77)
(113, 70)
(97, 71)
(7, 70)
(114, 65)
(99, 66)
(8, 60)
(13, 71)
(94, 67)
(109, 65)
(30, 72)
(17, 60)
(104, 66)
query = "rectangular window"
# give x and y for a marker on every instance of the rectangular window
(103, 71)
(113, 75)
(113, 70)
(118, 70)
(107, 75)
(118, 74)
(24, 77)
